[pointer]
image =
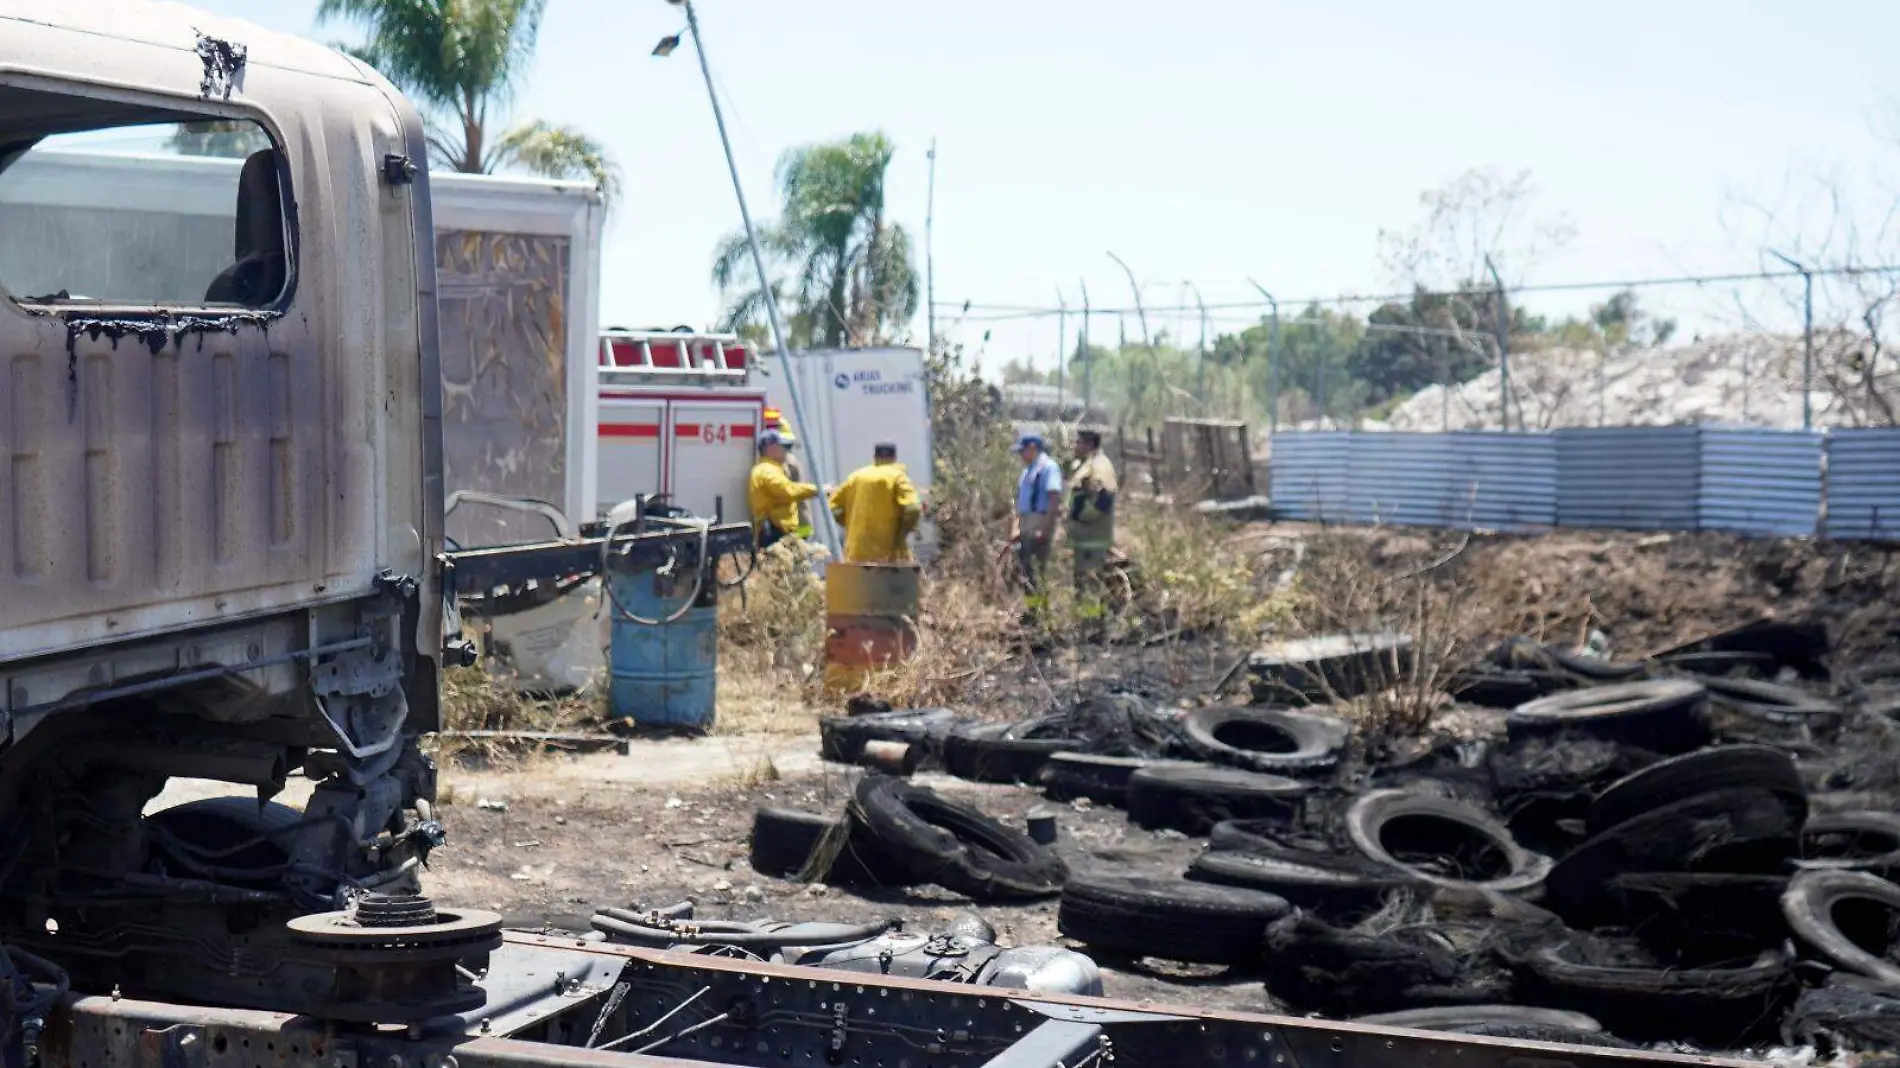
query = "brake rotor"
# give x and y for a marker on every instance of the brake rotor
(397, 958)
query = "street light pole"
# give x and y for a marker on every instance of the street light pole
(1147, 339)
(1273, 360)
(1200, 373)
(930, 259)
(826, 523)
(1062, 350)
(1088, 369)
(1807, 339)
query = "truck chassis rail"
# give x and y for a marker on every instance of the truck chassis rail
(554, 1000)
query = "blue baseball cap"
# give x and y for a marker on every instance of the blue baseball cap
(1030, 439)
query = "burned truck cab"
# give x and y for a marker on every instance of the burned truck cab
(221, 499)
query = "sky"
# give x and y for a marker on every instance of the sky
(1214, 140)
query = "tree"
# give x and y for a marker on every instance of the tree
(228, 138)
(842, 268)
(463, 60)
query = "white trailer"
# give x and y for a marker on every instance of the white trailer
(855, 398)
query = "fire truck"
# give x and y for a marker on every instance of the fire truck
(679, 420)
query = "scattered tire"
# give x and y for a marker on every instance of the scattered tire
(250, 841)
(1267, 837)
(1272, 740)
(1330, 885)
(1441, 841)
(1768, 701)
(1005, 752)
(1314, 966)
(1837, 913)
(936, 840)
(1328, 666)
(842, 738)
(1101, 779)
(1701, 915)
(793, 845)
(1721, 664)
(1846, 1017)
(1852, 841)
(1657, 714)
(1738, 831)
(1464, 1017)
(1169, 918)
(1192, 798)
(1723, 767)
(1589, 668)
(1566, 1036)
(1505, 687)
(1719, 1007)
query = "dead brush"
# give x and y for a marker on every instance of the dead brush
(1344, 589)
(472, 701)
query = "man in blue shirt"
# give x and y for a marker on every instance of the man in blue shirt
(1038, 502)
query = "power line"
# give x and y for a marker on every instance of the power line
(1012, 312)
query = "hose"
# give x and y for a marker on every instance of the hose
(638, 930)
(620, 611)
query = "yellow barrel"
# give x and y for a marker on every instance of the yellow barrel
(870, 619)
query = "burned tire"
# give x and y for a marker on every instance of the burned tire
(1713, 664)
(1658, 715)
(936, 840)
(1101, 779)
(1192, 798)
(1721, 1007)
(1314, 966)
(1768, 701)
(1005, 752)
(1742, 831)
(1329, 885)
(1271, 740)
(1851, 841)
(788, 844)
(1505, 687)
(1464, 1017)
(1591, 669)
(842, 738)
(1724, 767)
(1701, 915)
(246, 843)
(1168, 918)
(1814, 904)
(1263, 837)
(1442, 842)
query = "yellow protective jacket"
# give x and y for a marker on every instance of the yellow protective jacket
(878, 506)
(774, 496)
(1091, 511)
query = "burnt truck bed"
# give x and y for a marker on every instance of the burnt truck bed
(563, 1000)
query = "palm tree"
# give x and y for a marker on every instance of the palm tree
(844, 270)
(463, 59)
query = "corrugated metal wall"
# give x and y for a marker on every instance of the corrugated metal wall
(1761, 482)
(1863, 484)
(1628, 477)
(1307, 476)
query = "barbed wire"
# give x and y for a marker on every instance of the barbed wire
(997, 313)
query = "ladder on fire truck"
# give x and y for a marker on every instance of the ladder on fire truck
(674, 357)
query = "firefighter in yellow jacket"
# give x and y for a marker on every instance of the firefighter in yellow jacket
(878, 508)
(773, 494)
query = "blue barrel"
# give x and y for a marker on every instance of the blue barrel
(664, 676)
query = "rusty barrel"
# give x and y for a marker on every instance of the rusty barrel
(870, 619)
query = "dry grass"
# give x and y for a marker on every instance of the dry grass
(471, 701)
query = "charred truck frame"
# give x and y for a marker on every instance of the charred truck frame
(221, 557)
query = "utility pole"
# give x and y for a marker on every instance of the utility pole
(1062, 349)
(1200, 373)
(1807, 339)
(1147, 339)
(1273, 361)
(1504, 346)
(818, 460)
(1088, 369)
(930, 260)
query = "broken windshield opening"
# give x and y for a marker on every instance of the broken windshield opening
(114, 205)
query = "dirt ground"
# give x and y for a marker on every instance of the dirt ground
(670, 821)
(548, 860)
